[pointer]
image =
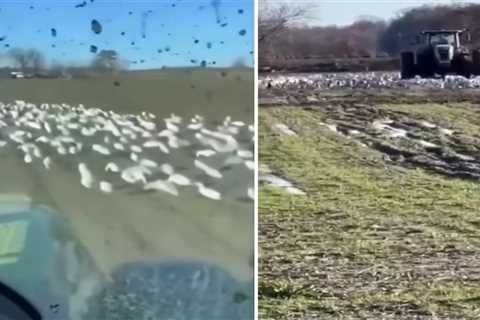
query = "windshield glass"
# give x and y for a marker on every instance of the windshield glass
(442, 38)
(129, 126)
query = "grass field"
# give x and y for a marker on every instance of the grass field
(371, 239)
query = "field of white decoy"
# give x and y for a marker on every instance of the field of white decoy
(367, 206)
(115, 152)
(367, 80)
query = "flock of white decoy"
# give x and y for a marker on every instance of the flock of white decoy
(363, 80)
(131, 149)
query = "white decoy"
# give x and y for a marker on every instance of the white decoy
(42, 139)
(233, 160)
(205, 153)
(250, 164)
(148, 163)
(147, 124)
(86, 177)
(207, 192)
(251, 193)
(27, 158)
(36, 151)
(113, 167)
(135, 174)
(167, 169)
(88, 132)
(118, 146)
(33, 125)
(133, 156)
(179, 179)
(105, 186)
(156, 144)
(174, 119)
(136, 148)
(245, 153)
(146, 134)
(171, 127)
(47, 127)
(162, 185)
(195, 126)
(100, 149)
(18, 135)
(207, 169)
(238, 123)
(47, 163)
(3, 143)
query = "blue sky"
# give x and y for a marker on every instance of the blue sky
(170, 26)
(343, 12)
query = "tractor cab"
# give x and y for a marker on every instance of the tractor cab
(443, 37)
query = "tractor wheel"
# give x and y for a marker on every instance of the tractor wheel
(407, 65)
(463, 66)
(475, 62)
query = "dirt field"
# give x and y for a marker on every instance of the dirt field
(386, 225)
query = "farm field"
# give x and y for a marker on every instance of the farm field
(128, 198)
(368, 204)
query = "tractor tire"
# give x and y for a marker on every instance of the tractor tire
(407, 65)
(463, 66)
(475, 62)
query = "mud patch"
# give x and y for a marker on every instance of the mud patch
(408, 141)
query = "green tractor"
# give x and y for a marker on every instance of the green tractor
(438, 53)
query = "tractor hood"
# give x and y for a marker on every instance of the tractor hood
(47, 274)
(42, 262)
(443, 53)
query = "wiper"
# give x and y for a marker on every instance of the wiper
(16, 305)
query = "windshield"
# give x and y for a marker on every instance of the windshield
(442, 38)
(131, 123)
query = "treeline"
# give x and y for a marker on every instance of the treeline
(32, 63)
(368, 37)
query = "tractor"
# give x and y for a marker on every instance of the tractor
(440, 53)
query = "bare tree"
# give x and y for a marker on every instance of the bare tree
(27, 59)
(273, 19)
(108, 61)
(19, 57)
(36, 60)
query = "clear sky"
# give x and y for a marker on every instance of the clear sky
(343, 12)
(186, 32)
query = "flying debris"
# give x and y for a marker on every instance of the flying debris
(81, 5)
(96, 27)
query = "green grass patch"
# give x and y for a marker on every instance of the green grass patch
(360, 212)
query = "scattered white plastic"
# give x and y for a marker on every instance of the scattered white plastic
(281, 183)
(284, 129)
